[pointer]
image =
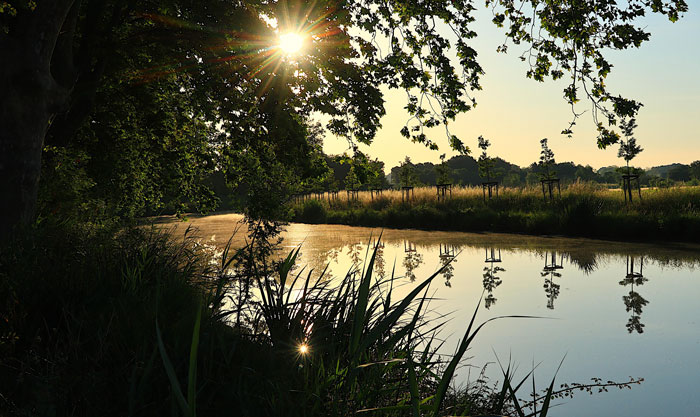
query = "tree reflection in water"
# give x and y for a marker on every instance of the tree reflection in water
(491, 280)
(379, 264)
(551, 266)
(412, 260)
(355, 254)
(322, 262)
(585, 260)
(447, 254)
(633, 301)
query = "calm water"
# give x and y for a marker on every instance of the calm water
(615, 310)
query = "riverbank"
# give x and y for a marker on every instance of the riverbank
(671, 214)
(132, 322)
(217, 230)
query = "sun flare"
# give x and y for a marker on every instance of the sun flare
(291, 43)
(303, 348)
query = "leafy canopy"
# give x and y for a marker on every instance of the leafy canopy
(569, 38)
(243, 106)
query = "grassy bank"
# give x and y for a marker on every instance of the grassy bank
(582, 210)
(132, 323)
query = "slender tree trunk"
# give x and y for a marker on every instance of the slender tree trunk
(29, 98)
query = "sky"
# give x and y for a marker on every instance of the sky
(514, 112)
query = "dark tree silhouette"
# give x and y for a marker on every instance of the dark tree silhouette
(628, 146)
(57, 54)
(546, 161)
(443, 171)
(352, 180)
(628, 151)
(695, 170)
(407, 173)
(547, 175)
(486, 163)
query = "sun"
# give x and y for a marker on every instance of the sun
(291, 43)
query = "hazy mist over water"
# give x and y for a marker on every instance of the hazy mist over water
(616, 310)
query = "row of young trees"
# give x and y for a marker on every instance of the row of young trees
(345, 172)
(140, 102)
(469, 171)
(464, 170)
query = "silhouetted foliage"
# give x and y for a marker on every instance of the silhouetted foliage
(628, 146)
(695, 170)
(680, 173)
(546, 161)
(207, 55)
(407, 173)
(443, 171)
(486, 163)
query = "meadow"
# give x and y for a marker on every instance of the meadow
(582, 209)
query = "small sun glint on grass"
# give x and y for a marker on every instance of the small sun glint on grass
(303, 348)
(291, 43)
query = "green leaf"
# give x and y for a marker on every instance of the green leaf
(172, 377)
(192, 373)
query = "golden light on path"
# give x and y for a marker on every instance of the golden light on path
(303, 348)
(291, 43)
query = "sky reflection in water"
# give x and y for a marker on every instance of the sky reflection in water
(615, 310)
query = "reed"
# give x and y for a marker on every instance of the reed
(582, 209)
(134, 323)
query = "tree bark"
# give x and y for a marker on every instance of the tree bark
(29, 98)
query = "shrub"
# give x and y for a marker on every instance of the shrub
(133, 323)
(313, 211)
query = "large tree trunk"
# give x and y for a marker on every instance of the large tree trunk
(29, 98)
(24, 119)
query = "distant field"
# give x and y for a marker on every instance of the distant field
(581, 210)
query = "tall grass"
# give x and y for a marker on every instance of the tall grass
(583, 209)
(132, 323)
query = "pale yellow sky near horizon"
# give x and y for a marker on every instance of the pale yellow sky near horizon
(514, 113)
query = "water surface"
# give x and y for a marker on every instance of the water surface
(616, 310)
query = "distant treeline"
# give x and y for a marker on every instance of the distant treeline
(582, 209)
(464, 170)
(342, 172)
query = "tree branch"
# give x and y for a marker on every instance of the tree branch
(62, 61)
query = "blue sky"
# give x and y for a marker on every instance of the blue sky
(515, 112)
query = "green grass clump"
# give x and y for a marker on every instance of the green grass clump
(98, 322)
